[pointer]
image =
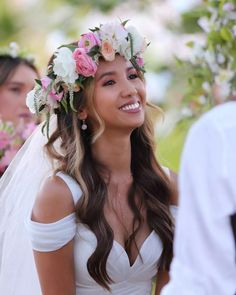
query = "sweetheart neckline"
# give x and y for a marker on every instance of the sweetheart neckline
(140, 248)
(121, 247)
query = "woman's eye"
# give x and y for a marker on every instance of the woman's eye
(108, 83)
(133, 76)
(15, 89)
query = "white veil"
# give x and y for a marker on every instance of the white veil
(18, 188)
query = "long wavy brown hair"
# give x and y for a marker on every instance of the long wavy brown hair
(150, 183)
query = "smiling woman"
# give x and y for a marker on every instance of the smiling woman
(100, 219)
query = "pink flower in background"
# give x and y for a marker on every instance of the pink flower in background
(5, 139)
(7, 158)
(11, 140)
(29, 128)
(84, 63)
(88, 41)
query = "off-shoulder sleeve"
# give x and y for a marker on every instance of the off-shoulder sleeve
(46, 237)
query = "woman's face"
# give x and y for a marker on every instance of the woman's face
(119, 94)
(13, 94)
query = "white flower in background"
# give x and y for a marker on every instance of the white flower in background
(224, 75)
(220, 58)
(234, 30)
(211, 61)
(139, 43)
(206, 86)
(223, 90)
(14, 49)
(197, 53)
(114, 32)
(202, 99)
(186, 112)
(65, 65)
(204, 23)
(222, 81)
(228, 7)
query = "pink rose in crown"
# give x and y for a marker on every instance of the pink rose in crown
(5, 139)
(140, 61)
(107, 51)
(85, 65)
(88, 41)
(46, 81)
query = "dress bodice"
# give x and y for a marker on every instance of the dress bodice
(135, 279)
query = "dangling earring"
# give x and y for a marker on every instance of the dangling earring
(84, 126)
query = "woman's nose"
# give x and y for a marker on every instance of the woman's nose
(128, 89)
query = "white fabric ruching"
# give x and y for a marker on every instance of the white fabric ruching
(204, 246)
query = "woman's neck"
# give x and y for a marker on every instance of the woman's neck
(114, 153)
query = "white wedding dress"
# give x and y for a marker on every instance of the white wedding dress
(18, 235)
(135, 279)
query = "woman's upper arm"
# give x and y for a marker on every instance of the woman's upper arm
(56, 268)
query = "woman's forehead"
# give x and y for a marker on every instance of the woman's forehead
(118, 63)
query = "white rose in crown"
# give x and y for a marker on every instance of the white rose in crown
(36, 98)
(65, 65)
(139, 43)
(30, 101)
(125, 49)
(114, 33)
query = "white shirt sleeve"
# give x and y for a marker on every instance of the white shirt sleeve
(204, 248)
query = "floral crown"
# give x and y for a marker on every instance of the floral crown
(73, 64)
(14, 51)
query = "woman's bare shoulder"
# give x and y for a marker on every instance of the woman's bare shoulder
(53, 202)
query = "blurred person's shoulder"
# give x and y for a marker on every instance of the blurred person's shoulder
(220, 118)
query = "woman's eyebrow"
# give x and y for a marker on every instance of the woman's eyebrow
(106, 74)
(112, 73)
(15, 83)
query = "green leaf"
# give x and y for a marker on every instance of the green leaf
(41, 108)
(93, 51)
(226, 34)
(190, 44)
(38, 82)
(70, 46)
(64, 104)
(72, 103)
(125, 22)
(94, 29)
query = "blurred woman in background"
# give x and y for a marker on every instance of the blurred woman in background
(17, 75)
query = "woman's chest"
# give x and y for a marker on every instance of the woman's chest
(118, 264)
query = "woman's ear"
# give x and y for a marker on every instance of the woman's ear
(82, 114)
